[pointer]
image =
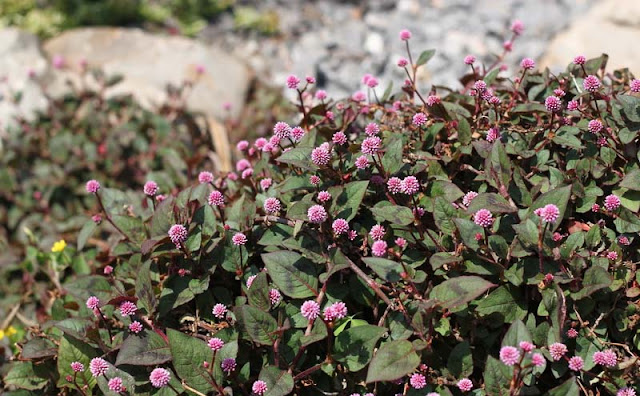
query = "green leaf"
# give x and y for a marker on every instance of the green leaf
(585, 348)
(188, 353)
(392, 159)
(87, 286)
(568, 388)
(464, 131)
(260, 325)
(393, 360)
(505, 301)
(85, 233)
(492, 202)
(460, 290)
(630, 106)
(395, 214)
(347, 201)
(299, 157)
(425, 56)
(22, 375)
(443, 214)
(468, 230)
(294, 275)
(258, 293)
(279, 382)
(517, 332)
(386, 269)
(144, 288)
(496, 377)
(354, 346)
(147, 349)
(559, 197)
(460, 362)
(72, 350)
(595, 278)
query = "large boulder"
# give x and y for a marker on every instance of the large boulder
(20, 60)
(149, 62)
(610, 26)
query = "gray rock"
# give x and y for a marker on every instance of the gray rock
(19, 54)
(149, 62)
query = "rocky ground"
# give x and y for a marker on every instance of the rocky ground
(340, 41)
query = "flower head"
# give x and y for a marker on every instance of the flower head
(557, 350)
(274, 296)
(135, 327)
(394, 185)
(611, 202)
(150, 188)
(526, 346)
(468, 197)
(292, 82)
(310, 309)
(205, 177)
(480, 86)
(509, 355)
(58, 246)
(572, 333)
(410, 185)
(320, 156)
(339, 138)
(418, 381)
(272, 205)
(605, 358)
(215, 344)
(315, 180)
(548, 213)
(595, 126)
(93, 186)
(371, 145)
(115, 384)
(465, 385)
(77, 367)
(282, 130)
(128, 308)
(317, 214)
(93, 302)
(379, 248)
(340, 226)
(259, 387)
(239, 239)
(469, 60)
(324, 196)
(626, 392)
(228, 365)
(219, 310)
(98, 366)
(337, 310)
(216, 198)
(591, 83)
(528, 64)
(576, 363)
(537, 359)
(266, 183)
(377, 232)
(178, 234)
(634, 86)
(483, 218)
(405, 35)
(160, 377)
(493, 134)
(517, 27)
(553, 104)
(362, 162)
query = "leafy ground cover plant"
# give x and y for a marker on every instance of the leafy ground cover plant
(478, 242)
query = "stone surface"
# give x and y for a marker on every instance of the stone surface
(611, 26)
(20, 53)
(149, 62)
(339, 41)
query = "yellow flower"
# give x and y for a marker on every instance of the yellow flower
(11, 331)
(58, 246)
(1, 334)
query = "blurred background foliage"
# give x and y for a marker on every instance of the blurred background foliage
(47, 18)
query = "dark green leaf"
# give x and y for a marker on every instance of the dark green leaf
(425, 56)
(145, 349)
(188, 353)
(294, 275)
(260, 325)
(393, 360)
(460, 290)
(354, 347)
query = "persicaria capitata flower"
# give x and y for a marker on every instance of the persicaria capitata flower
(98, 366)
(572, 333)
(259, 387)
(394, 185)
(135, 327)
(526, 346)
(517, 27)
(579, 60)
(160, 377)
(274, 296)
(553, 104)
(92, 186)
(402, 62)
(557, 350)
(419, 119)
(150, 188)
(216, 198)
(493, 134)
(418, 381)
(465, 385)
(576, 363)
(115, 384)
(377, 232)
(205, 177)
(634, 86)
(595, 126)
(340, 226)
(405, 35)
(528, 63)
(320, 156)
(215, 344)
(410, 185)
(591, 83)
(93, 302)
(310, 309)
(371, 145)
(265, 183)
(219, 310)
(324, 196)
(509, 355)
(548, 213)
(292, 82)
(626, 392)
(372, 129)
(469, 60)
(127, 308)
(468, 197)
(432, 100)
(480, 86)
(611, 202)
(317, 214)
(178, 234)
(362, 162)
(379, 248)
(239, 239)
(483, 218)
(339, 138)
(605, 358)
(537, 359)
(272, 205)
(228, 365)
(281, 130)
(337, 310)
(77, 367)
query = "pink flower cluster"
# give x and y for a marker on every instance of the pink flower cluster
(548, 213)
(337, 310)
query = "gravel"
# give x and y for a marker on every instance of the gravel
(338, 42)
